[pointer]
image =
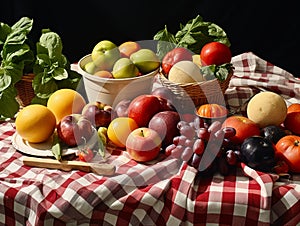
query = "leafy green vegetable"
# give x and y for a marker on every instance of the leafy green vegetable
(52, 69)
(193, 36)
(15, 55)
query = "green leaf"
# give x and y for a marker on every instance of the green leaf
(41, 88)
(7, 99)
(166, 42)
(53, 43)
(60, 74)
(4, 31)
(5, 80)
(56, 147)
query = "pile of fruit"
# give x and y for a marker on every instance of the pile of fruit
(127, 60)
(149, 126)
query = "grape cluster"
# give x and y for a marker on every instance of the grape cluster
(205, 146)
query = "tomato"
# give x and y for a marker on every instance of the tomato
(174, 56)
(86, 155)
(212, 111)
(215, 53)
(292, 122)
(288, 150)
(293, 108)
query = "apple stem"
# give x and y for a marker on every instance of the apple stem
(142, 133)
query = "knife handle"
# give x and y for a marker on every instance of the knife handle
(98, 168)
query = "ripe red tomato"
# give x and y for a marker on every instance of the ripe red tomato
(292, 122)
(174, 56)
(288, 150)
(212, 111)
(215, 53)
(86, 155)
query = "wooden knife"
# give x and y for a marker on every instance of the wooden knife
(97, 168)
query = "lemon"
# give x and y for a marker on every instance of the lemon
(35, 123)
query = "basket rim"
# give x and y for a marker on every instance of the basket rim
(166, 80)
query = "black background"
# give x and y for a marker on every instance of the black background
(271, 31)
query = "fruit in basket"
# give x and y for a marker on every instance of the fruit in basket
(75, 129)
(100, 114)
(143, 144)
(293, 107)
(124, 68)
(215, 53)
(142, 108)
(35, 123)
(185, 72)
(165, 124)
(146, 60)
(258, 153)
(104, 54)
(197, 59)
(104, 74)
(65, 102)
(129, 47)
(119, 129)
(288, 150)
(267, 108)
(243, 126)
(173, 56)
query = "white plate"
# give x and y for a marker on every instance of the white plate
(37, 149)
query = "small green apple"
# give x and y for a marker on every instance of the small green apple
(124, 68)
(90, 67)
(146, 60)
(105, 54)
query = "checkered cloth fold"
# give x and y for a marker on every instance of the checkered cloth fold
(169, 192)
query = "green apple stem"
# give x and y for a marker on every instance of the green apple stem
(142, 133)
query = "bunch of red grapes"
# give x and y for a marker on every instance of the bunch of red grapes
(205, 146)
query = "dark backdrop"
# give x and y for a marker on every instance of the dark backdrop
(271, 31)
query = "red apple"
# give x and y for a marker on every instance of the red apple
(173, 56)
(74, 129)
(100, 114)
(243, 126)
(143, 107)
(121, 108)
(165, 124)
(143, 144)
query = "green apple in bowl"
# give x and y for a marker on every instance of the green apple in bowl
(90, 67)
(105, 54)
(146, 60)
(124, 68)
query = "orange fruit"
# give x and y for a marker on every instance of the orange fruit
(129, 47)
(35, 123)
(65, 102)
(119, 129)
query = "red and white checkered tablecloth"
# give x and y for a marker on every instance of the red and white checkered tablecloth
(168, 192)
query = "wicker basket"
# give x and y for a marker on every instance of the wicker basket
(25, 90)
(211, 91)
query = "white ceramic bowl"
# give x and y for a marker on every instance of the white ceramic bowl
(110, 90)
